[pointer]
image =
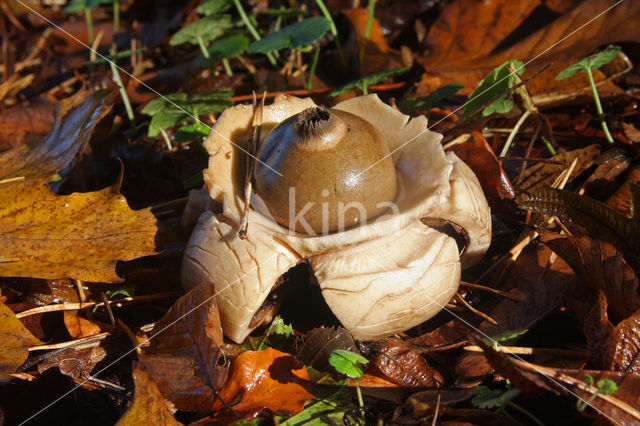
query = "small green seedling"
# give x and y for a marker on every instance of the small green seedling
(587, 65)
(86, 6)
(604, 386)
(294, 36)
(487, 398)
(202, 32)
(223, 50)
(363, 83)
(174, 109)
(504, 336)
(213, 7)
(277, 336)
(348, 363)
(493, 91)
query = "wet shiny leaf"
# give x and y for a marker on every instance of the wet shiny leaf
(266, 379)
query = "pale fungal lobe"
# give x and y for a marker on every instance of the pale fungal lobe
(378, 279)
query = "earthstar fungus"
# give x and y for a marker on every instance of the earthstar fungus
(379, 278)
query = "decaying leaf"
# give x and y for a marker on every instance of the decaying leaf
(266, 379)
(75, 120)
(148, 406)
(541, 288)
(400, 364)
(610, 165)
(321, 342)
(184, 352)
(596, 218)
(620, 201)
(601, 267)
(478, 155)
(81, 235)
(542, 175)
(15, 340)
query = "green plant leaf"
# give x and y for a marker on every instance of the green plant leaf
(323, 409)
(114, 58)
(490, 398)
(607, 386)
(293, 36)
(598, 219)
(194, 131)
(284, 12)
(592, 62)
(80, 5)
(171, 110)
(127, 291)
(211, 7)
(348, 363)
(438, 95)
(500, 80)
(223, 49)
(208, 29)
(364, 82)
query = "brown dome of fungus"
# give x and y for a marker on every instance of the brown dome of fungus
(321, 155)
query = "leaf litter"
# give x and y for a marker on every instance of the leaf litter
(426, 60)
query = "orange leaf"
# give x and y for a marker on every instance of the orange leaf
(79, 327)
(478, 155)
(266, 379)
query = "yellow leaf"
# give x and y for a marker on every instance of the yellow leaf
(81, 235)
(15, 340)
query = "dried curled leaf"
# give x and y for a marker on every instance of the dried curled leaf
(601, 267)
(400, 364)
(15, 340)
(600, 220)
(76, 118)
(81, 235)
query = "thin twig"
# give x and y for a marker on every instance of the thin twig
(474, 310)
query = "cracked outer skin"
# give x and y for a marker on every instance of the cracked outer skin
(381, 278)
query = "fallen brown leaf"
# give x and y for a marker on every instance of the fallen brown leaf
(319, 344)
(470, 38)
(148, 406)
(266, 379)
(75, 119)
(371, 52)
(620, 201)
(182, 358)
(15, 340)
(600, 266)
(542, 175)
